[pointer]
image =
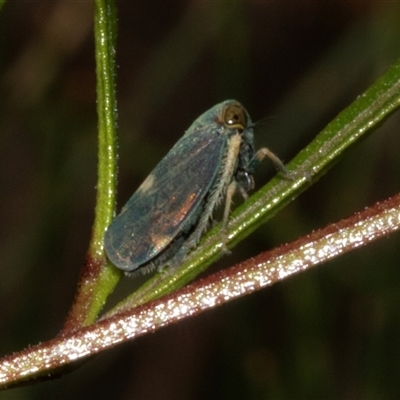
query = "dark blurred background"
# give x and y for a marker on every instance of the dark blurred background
(332, 332)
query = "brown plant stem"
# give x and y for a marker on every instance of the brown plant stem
(359, 229)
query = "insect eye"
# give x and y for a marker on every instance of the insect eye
(235, 117)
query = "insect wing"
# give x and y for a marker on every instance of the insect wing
(166, 201)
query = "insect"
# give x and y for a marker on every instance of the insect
(166, 217)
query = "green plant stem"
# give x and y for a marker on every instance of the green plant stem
(350, 126)
(97, 278)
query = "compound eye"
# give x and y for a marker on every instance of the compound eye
(235, 117)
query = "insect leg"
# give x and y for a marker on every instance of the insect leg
(227, 210)
(290, 175)
(265, 152)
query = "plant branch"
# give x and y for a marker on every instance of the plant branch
(254, 274)
(350, 126)
(98, 279)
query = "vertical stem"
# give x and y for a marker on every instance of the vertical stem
(98, 279)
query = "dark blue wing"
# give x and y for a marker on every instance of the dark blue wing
(166, 201)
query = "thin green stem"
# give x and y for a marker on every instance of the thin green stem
(99, 279)
(350, 126)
